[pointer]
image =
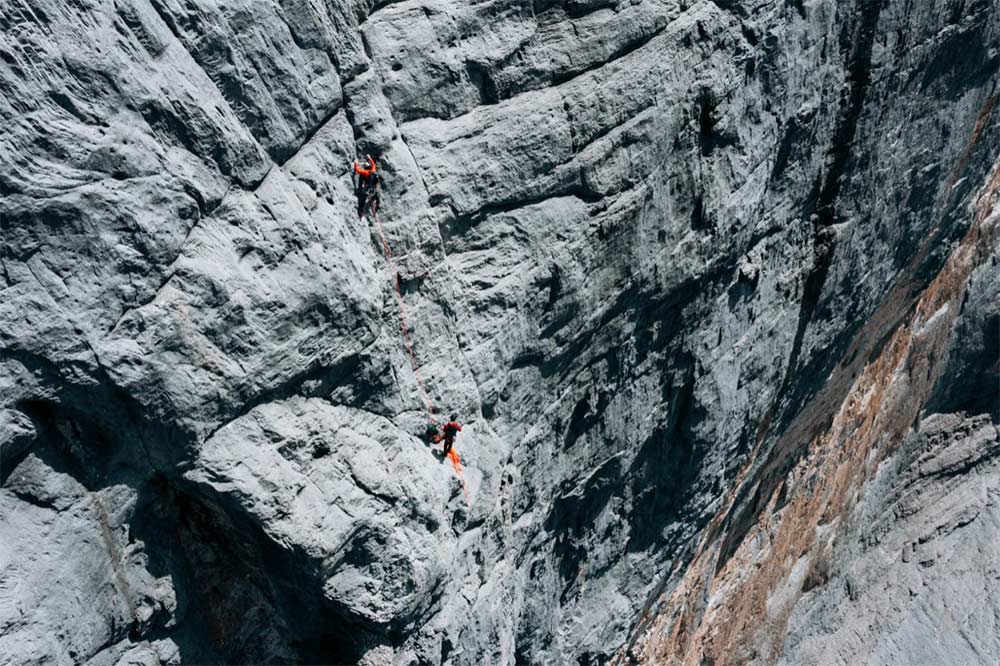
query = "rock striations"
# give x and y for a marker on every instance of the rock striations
(712, 285)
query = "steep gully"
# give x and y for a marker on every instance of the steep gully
(847, 428)
(925, 284)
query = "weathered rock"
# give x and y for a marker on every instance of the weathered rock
(657, 255)
(936, 500)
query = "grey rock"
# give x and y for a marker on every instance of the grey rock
(949, 522)
(643, 250)
(16, 433)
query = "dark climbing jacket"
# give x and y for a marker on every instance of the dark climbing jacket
(431, 434)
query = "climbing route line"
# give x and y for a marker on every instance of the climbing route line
(452, 454)
(402, 320)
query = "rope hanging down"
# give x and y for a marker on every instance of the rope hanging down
(402, 320)
(452, 454)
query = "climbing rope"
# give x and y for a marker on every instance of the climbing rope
(402, 320)
(457, 464)
(452, 454)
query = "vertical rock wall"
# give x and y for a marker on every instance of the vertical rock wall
(678, 266)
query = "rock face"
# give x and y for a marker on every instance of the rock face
(712, 286)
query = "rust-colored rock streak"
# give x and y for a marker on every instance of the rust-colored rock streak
(740, 613)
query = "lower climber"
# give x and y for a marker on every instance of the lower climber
(366, 182)
(451, 430)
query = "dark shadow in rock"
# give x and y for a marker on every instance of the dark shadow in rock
(664, 471)
(481, 76)
(573, 514)
(71, 442)
(241, 597)
(962, 62)
(741, 291)
(580, 421)
(709, 136)
(971, 374)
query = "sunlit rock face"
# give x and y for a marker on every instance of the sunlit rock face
(712, 287)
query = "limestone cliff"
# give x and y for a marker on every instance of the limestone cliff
(711, 285)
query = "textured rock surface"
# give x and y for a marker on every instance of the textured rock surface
(712, 285)
(912, 590)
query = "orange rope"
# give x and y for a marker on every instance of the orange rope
(452, 454)
(402, 319)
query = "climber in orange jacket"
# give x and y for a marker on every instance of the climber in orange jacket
(451, 430)
(366, 182)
